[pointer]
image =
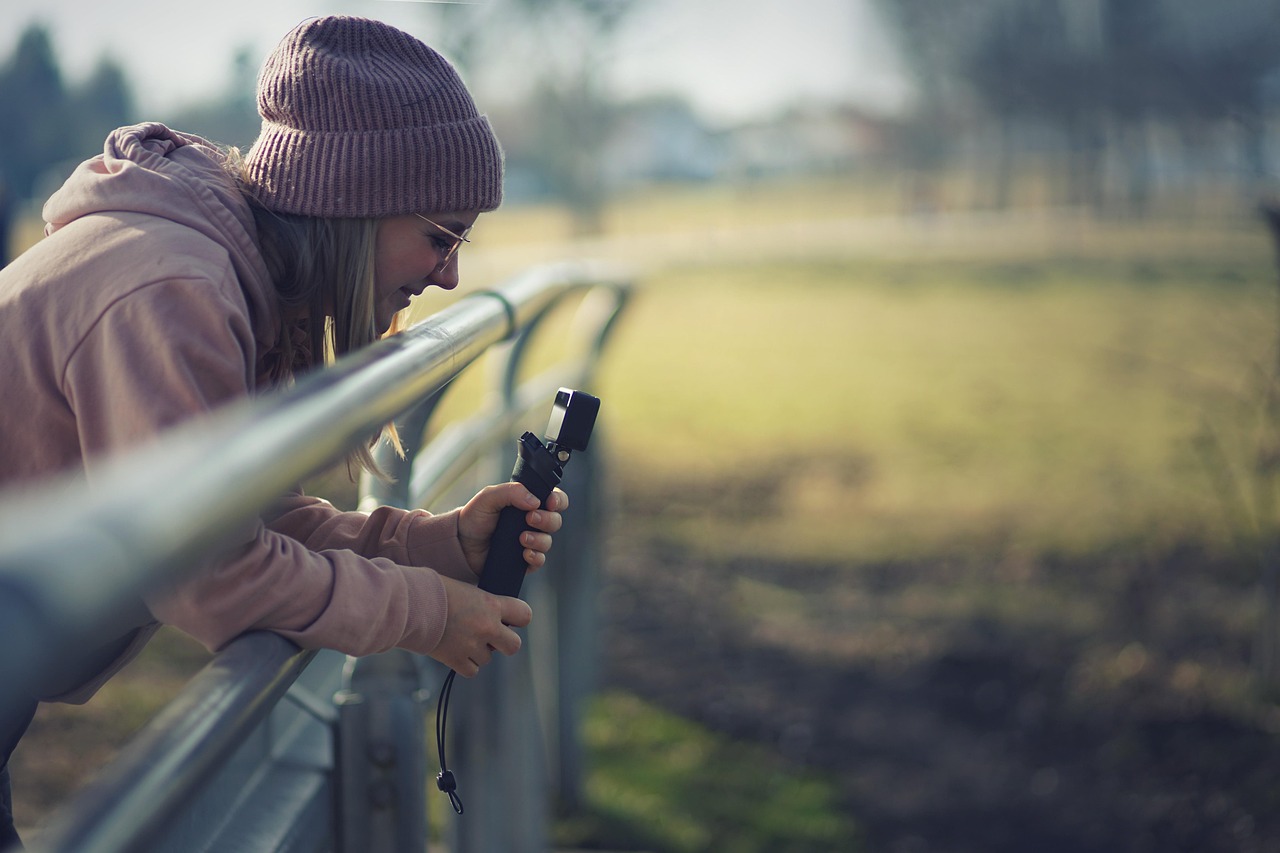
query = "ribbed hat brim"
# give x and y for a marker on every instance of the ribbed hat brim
(450, 167)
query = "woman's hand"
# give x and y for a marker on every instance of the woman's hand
(479, 518)
(478, 624)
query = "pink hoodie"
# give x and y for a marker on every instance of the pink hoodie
(149, 303)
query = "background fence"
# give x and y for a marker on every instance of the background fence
(273, 748)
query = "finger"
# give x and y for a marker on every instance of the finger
(509, 643)
(548, 522)
(536, 541)
(535, 559)
(515, 612)
(466, 668)
(557, 501)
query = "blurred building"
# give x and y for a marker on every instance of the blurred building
(807, 140)
(665, 141)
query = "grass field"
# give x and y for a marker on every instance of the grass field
(865, 452)
(862, 409)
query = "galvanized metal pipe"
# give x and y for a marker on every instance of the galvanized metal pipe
(158, 771)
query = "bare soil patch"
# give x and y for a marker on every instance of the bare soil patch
(1097, 707)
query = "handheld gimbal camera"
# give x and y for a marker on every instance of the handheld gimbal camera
(539, 467)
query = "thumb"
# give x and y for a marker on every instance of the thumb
(494, 499)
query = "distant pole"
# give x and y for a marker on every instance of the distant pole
(1268, 652)
(6, 221)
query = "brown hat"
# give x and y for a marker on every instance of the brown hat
(360, 119)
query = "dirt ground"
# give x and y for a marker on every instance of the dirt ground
(1105, 714)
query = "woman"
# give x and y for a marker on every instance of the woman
(175, 278)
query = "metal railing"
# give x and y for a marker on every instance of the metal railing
(273, 748)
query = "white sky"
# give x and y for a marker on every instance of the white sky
(737, 57)
(732, 58)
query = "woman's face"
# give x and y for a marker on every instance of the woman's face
(409, 257)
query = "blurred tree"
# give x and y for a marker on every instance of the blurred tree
(37, 129)
(45, 123)
(1031, 65)
(44, 126)
(1101, 73)
(102, 103)
(230, 118)
(570, 45)
(933, 38)
(1219, 57)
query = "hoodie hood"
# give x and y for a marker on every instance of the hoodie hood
(150, 169)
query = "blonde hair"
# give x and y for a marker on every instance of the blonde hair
(323, 272)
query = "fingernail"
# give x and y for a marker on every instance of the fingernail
(535, 517)
(530, 499)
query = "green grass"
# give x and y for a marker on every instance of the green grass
(662, 783)
(912, 408)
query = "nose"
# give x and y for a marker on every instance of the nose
(446, 277)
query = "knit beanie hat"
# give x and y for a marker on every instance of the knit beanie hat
(360, 119)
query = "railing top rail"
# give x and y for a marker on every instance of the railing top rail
(176, 752)
(73, 557)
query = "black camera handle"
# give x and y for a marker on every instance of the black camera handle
(539, 468)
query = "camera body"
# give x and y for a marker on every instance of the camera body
(573, 416)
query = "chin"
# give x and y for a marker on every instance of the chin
(395, 324)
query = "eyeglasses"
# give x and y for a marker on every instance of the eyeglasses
(458, 240)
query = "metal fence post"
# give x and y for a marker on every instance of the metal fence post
(381, 755)
(575, 581)
(497, 753)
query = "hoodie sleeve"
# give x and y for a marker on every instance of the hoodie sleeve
(319, 599)
(179, 347)
(409, 537)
